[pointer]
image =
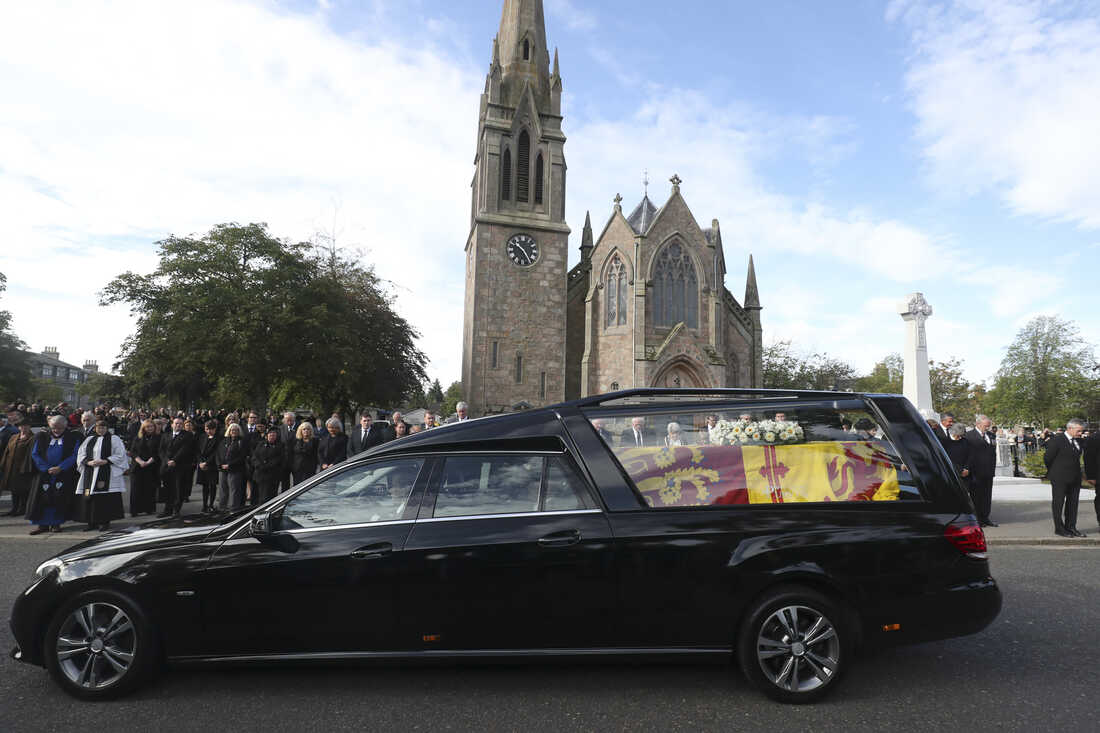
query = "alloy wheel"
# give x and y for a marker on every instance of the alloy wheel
(798, 649)
(96, 645)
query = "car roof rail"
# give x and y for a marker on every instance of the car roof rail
(666, 395)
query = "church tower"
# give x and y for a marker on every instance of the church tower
(513, 346)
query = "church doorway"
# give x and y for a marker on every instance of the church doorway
(680, 373)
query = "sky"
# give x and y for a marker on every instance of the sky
(860, 151)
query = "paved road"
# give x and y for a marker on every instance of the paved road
(1034, 669)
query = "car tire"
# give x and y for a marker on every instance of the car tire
(794, 644)
(100, 645)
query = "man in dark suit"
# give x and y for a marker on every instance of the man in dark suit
(637, 434)
(943, 427)
(983, 466)
(254, 434)
(1092, 468)
(287, 433)
(177, 466)
(366, 436)
(597, 425)
(1063, 461)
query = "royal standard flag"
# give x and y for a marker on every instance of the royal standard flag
(762, 474)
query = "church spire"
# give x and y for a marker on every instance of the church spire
(522, 43)
(586, 237)
(752, 293)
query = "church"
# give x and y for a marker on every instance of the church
(647, 304)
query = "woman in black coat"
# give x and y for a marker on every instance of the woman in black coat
(303, 454)
(958, 450)
(145, 472)
(207, 462)
(232, 457)
(333, 448)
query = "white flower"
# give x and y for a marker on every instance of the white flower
(769, 436)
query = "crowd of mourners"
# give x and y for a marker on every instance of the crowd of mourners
(72, 464)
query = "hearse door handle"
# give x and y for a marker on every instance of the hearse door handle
(560, 539)
(372, 552)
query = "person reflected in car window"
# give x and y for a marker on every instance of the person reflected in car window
(673, 439)
(603, 432)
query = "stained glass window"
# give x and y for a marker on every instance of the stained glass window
(675, 288)
(616, 289)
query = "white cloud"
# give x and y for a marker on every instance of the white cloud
(147, 119)
(1007, 97)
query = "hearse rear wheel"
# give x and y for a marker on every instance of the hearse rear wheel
(793, 645)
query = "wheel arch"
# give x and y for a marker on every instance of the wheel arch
(814, 579)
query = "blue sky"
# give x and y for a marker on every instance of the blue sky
(860, 151)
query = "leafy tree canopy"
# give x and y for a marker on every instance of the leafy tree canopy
(15, 376)
(885, 377)
(451, 398)
(1048, 375)
(238, 316)
(784, 368)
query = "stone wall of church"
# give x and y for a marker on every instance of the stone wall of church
(738, 353)
(718, 352)
(675, 222)
(574, 329)
(522, 310)
(610, 359)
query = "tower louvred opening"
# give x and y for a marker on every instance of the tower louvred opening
(523, 167)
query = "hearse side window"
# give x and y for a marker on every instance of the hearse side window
(563, 488)
(701, 456)
(505, 484)
(376, 492)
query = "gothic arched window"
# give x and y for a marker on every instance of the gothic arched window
(506, 175)
(675, 288)
(616, 289)
(526, 50)
(538, 179)
(523, 167)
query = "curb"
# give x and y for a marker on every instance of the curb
(1043, 542)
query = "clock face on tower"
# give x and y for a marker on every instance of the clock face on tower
(523, 250)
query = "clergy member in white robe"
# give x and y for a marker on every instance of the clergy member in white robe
(101, 461)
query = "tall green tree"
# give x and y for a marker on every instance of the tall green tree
(952, 392)
(451, 398)
(1048, 375)
(105, 388)
(15, 374)
(435, 392)
(238, 316)
(785, 368)
(360, 351)
(885, 377)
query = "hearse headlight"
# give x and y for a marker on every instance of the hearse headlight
(47, 567)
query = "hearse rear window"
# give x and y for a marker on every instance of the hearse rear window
(710, 457)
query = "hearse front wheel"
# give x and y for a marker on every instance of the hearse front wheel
(99, 645)
(793, 645)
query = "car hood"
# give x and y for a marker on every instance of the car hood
(166, 532)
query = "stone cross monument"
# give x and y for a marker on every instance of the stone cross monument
(916, 384)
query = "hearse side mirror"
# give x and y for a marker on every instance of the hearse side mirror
(263, 525)
(260, 525)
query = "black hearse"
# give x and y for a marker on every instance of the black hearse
(780, 529)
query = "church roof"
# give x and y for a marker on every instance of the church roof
(642, 216)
